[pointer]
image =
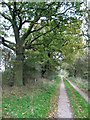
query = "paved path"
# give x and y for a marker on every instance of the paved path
(84, 95)
(64, 109)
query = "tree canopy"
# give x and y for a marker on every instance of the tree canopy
(51, 29)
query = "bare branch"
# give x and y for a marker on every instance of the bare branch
(29, 30)
(33, 22)
(26, 21)
(5, 16)
(10, 42)
(32, 46)
(40, 36)
(3, 42)
(44, 33)
(20, 25)
(39, 28)
(69, 9)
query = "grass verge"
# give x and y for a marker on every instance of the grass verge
(29, 103)
(78, 103)
(82, 84)
(54, 103)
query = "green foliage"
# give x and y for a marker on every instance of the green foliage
(8, 61)
(31, 65)
(78, 67)
(8, 77)
(52, 33)
(78, 103)
(53, 77)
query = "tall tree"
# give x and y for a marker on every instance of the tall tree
(17, 14)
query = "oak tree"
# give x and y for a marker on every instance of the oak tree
(16, 15)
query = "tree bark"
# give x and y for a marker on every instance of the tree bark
(46, 67)
(19, 77)
(75, 72)
(42, 73)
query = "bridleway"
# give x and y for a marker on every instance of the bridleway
(64, 109)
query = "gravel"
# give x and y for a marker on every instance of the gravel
(64, 109)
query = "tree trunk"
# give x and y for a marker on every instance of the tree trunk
(19, 66)
(19, 55)
(75, 72)
(46, 67)
(42, 73)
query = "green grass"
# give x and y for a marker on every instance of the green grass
(28, 103)
(81, 84)
(78, 103)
